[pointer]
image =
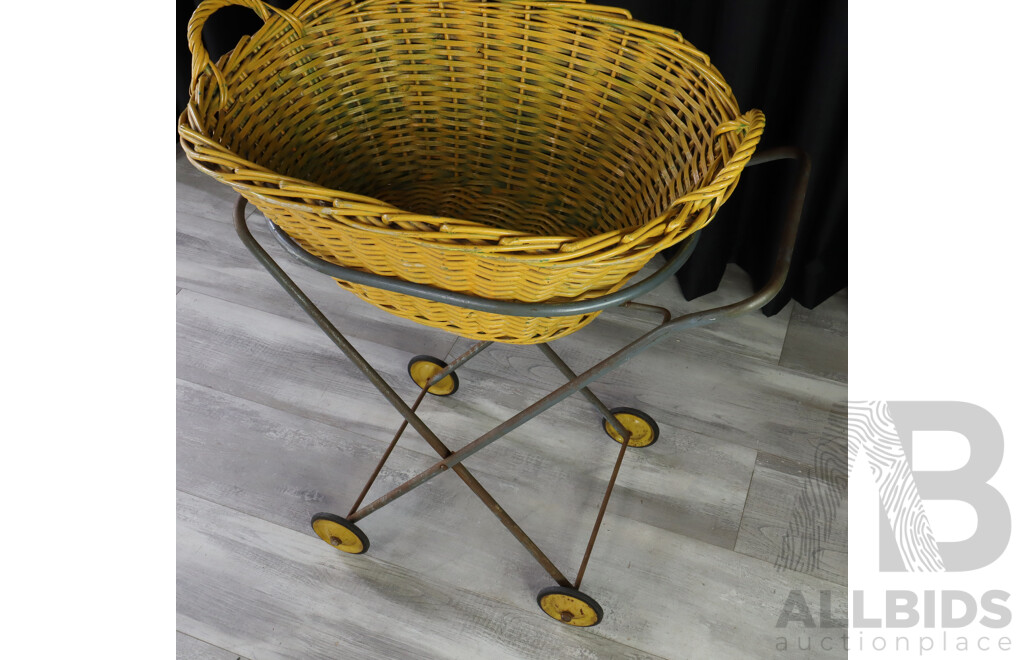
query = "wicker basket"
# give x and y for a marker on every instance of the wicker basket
(528, 151)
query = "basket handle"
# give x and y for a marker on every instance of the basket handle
(707, 197)
(201, 58)
(751, 123)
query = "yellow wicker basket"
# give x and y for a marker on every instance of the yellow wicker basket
(526, 151)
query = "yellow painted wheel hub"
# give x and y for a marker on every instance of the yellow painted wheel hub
(570, 606)
(340, 533)
(642, 429)
(423, 367)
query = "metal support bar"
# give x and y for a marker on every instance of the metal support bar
(666, 315)
(328, 328)
(600, 513)
(387, 453)
(433, 380)
(473, 351)
(504, 307)
(507, 521)
(463, 472)
(585, 391)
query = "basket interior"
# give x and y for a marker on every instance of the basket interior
(554, 122)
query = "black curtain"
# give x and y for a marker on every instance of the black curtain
(786, 57)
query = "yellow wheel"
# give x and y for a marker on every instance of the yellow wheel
(340, 533)
(423, 367)
(570, 606)
(643, 431)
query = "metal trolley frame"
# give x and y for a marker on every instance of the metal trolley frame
(564, 602)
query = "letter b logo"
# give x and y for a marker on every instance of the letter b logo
(883, 433)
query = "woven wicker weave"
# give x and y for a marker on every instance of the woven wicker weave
(530, 151)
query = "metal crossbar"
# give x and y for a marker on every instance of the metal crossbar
(436, 378)
(585, 391)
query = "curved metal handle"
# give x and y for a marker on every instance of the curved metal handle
(201, 58)
(784, 254)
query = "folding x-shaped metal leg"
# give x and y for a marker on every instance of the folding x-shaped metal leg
(629, 427)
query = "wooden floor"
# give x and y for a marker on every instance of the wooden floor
(275, 425)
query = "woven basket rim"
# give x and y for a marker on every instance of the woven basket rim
(552, 259)
(191, 125)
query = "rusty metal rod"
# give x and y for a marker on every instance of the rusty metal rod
(387, 453)
(666, 315)
(474, 350)
(509, 524)
(585, 391)
(466, 476)
(600, 513)
(433, 380)
(463, 472)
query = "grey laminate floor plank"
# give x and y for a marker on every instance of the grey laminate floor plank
(198, 194)
(778, 527)
(265, 591)
(190, 648)
(662, 593)
(686, 482)
(816, 340)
